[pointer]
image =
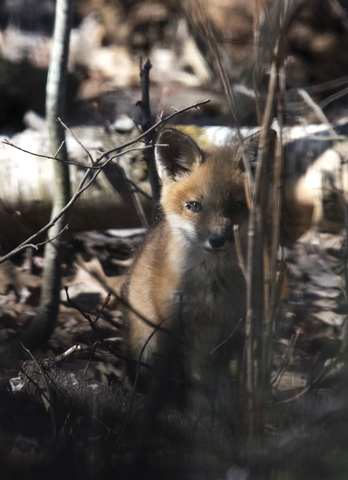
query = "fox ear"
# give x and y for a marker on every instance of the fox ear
(178, 157)
(251, 147)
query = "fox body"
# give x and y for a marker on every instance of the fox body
(186, 278)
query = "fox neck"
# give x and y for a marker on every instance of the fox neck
(209, 291)
(194, 265)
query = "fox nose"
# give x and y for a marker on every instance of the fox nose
(217, 240)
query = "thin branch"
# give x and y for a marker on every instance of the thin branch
(78, 164)
(147, 121)
(240, 258)
(256, 221)
(124, 303)
(317, 110)
(59, 149)
(229, 96)
(156, 125)
(32, 245)
(277, 203)
(267, 118)
(332, 98)
(82, 187)
(67, 353)
(7, 142)
(101, 340)
(231, 334)
(138, 189)
(48, 389)
(256, 70)
(94, 347)
(145, 87)
(135, 194)
(106, 301)
(77, 140)
(286, 357)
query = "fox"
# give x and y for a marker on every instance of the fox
(185, 289)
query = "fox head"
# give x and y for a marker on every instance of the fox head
(203, 192)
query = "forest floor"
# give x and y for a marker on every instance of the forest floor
(306, 417)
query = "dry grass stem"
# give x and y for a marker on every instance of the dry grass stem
(239, 252)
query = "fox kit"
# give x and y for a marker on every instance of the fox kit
(186, 279)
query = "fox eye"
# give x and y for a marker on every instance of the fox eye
(237, 206)
(194, 206)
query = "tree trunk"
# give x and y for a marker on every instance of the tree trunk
(45, 319)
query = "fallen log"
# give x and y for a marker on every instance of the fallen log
(315, 181)
(26, 184)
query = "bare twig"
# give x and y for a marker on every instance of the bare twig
(332, 98)
(78, 164)
(135, 194)
(255, 222)
(94, 347)
(240, 258)
(256, 73)
(106, 301)
(59, 149)
(287, 357)
(163, 121)
(138, 189)
(82, 187)
(229, 94)
(145, 90)
(101, 340)
(48, 389)
(226, 340)
(67, 353)
(317, 110)
(124, 303)
(277, 198)
(267, 118)
(321, 376)
(146, 122)
(77, 140)
(32, 245)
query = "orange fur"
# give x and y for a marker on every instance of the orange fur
(186, 274)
